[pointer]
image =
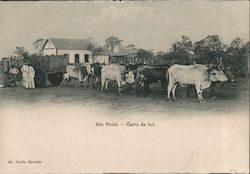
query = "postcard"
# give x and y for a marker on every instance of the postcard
(124, 87)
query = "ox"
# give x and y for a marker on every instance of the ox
(199, 75)
(73, 72)
(147, 74)
(118, 73)
(214, 84)
(132, 68)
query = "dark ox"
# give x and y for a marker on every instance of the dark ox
(148, 74)
(94, 73)
(198, 75)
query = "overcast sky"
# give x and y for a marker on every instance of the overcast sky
(148, 25)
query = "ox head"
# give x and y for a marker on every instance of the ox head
(217, 73)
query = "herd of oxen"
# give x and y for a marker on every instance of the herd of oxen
(142, 75)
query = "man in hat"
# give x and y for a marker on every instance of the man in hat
(13, 71)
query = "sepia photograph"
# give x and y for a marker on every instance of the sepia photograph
(124, 87)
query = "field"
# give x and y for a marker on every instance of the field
(230, 97)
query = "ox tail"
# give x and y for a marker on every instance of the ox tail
(166, 84)
(167, 77)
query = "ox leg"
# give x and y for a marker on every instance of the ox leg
(69, 82)
(106, 85)
(144, 88)
(119, 86)
(199, 92)
(211, 92)
(173, 90)
(170, 87)
(137, 89)
(203, 101)
(103, 84)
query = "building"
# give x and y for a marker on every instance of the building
(76, 49)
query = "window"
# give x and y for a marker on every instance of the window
(77, 58)
(66, 55)
(86, 58)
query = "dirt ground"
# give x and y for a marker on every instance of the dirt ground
(230, 97)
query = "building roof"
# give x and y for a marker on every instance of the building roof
(69, 44)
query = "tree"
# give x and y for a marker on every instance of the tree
(237, 43)
(237, 58)
(21, 53)
(144, 55)
(208, 50)
(112, 42)
(94, 48)
(38, 46)
(182, 51)
(185, 45)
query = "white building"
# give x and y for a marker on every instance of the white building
(76, 49)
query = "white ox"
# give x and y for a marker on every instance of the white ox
(199, 75)
(73, 72)
(115, 72)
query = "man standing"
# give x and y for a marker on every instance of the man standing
(25, 73)
(31, 76)
(13, 71)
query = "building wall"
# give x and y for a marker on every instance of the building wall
(72, 53)
(49, 50)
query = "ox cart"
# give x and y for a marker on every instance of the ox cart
(49, 68)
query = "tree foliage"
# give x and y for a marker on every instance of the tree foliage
(21, 53)
(112, 42)
(209, 49)
(145, 56)
(182, 51)
(38, 45)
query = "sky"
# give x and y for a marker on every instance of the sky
(148, 25)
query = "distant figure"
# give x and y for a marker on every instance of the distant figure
(13, 71)
(25, 74)
(31, 77)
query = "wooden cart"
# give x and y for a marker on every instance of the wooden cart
(49, 68)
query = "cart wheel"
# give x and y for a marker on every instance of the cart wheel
(55, 79)
(40, 78)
